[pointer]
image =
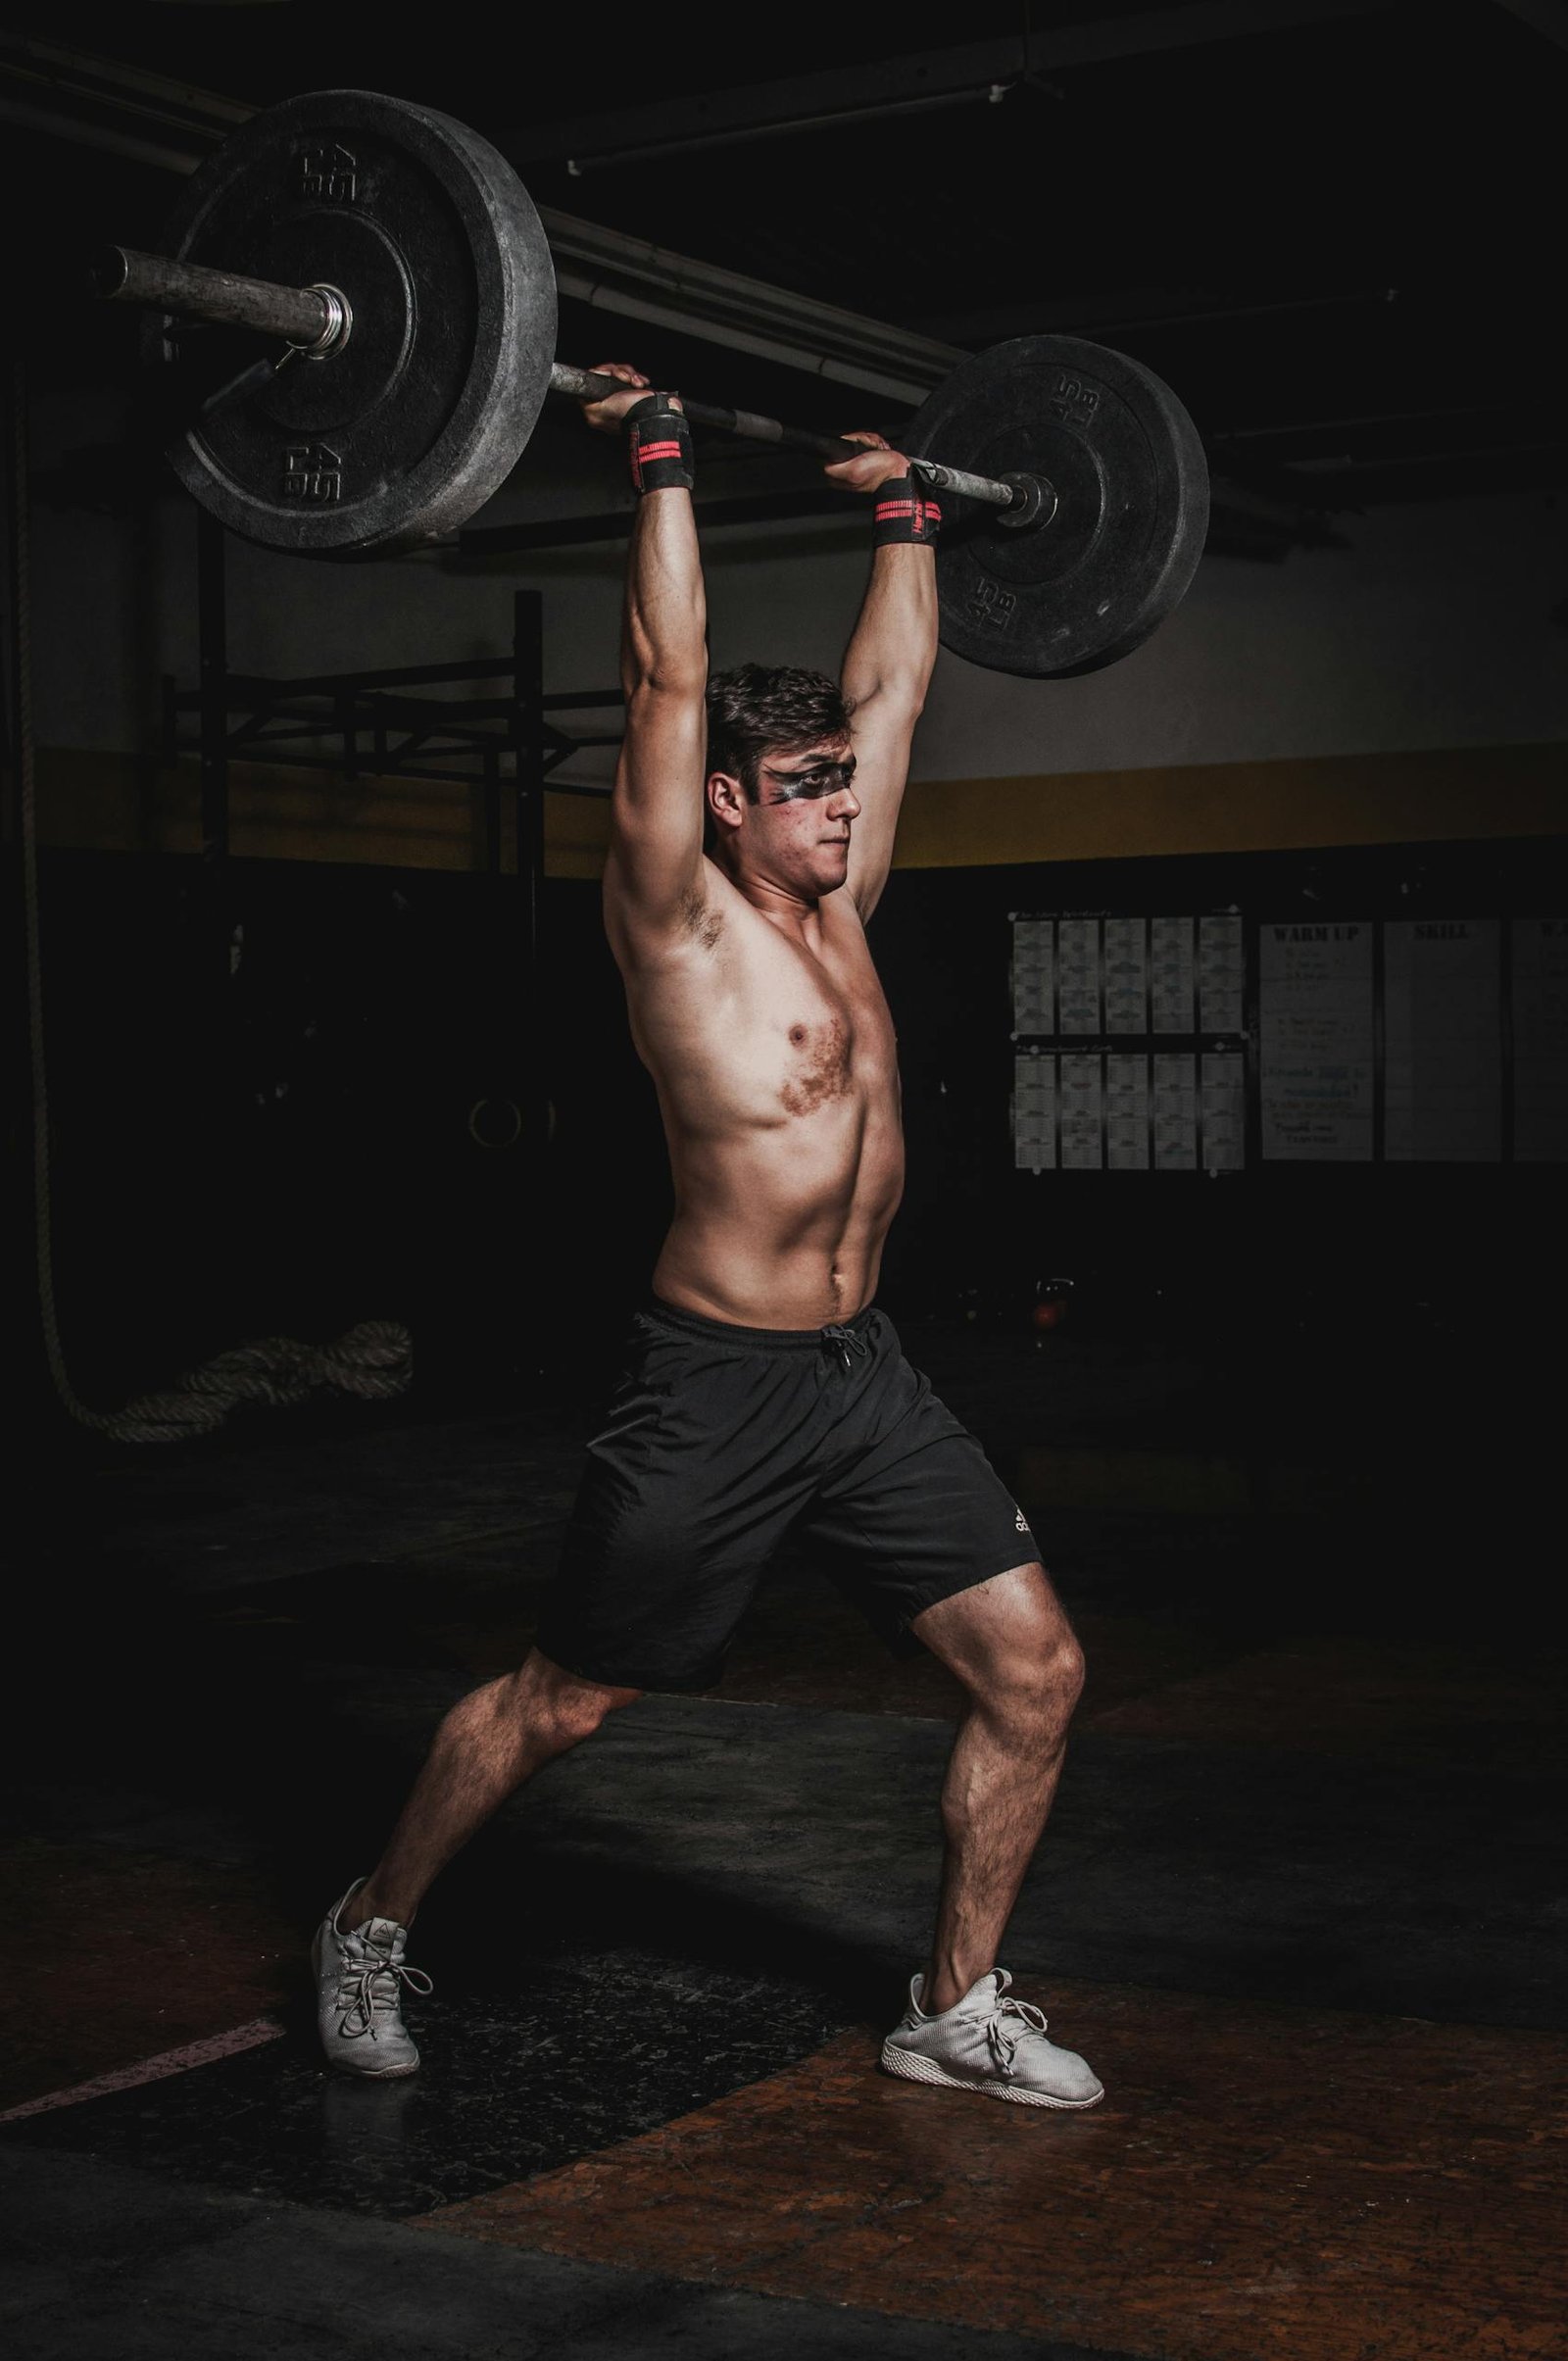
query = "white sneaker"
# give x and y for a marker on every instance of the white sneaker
(988, 2042)
(358, 2002)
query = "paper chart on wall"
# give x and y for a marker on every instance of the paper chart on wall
(1082, 1133)
(1126, 976)
(1078, 975)
(1034, 1114)
(1127, 1111)
(1316, 1041)
(1443, 1042)
(1171, 974)
(1221, 974)
(1541, 1040)
(1175, 1112)
(1034, 974)
(1223, 1098)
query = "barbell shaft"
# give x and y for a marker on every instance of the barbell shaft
(583, 385)
(316, 318)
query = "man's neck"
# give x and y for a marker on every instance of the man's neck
(796, 914)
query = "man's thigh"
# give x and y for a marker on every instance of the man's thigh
(922, 1518)
(676, 1516)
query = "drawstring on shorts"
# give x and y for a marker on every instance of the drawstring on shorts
(846, 1343)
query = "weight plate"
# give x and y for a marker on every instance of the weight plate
(1132, 504)
(415, 419)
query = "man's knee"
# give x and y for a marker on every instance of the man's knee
(1045, 1675)
(570, 1708)
(1010, 1643)
(1036, 1681)
(1063, 1667)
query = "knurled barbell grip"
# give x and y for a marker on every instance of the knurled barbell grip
(316, 318)
(583, 385)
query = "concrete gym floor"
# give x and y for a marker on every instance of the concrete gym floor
(1297, 1905)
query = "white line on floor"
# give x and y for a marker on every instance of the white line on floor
(154, 2070)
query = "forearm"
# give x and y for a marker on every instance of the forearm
(894, 644)
(664, 631)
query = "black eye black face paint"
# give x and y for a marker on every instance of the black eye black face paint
(823, 778)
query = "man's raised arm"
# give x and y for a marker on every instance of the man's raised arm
(887, 667)
(652, 879)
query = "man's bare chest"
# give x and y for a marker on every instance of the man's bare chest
(816, 1018)
(774, 1032)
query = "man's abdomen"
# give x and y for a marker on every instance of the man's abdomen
(762, 1239)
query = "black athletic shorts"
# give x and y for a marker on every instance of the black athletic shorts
(720, 1441)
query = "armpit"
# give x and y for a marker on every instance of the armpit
(699, 918)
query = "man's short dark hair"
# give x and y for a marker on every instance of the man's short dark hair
(756, 708)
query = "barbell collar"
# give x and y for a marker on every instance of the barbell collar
(1035, 503)
(317, 319)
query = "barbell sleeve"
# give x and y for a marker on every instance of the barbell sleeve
(315, 318)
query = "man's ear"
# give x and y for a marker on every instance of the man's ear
(726, 799)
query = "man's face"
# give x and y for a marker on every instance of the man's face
(797, 833)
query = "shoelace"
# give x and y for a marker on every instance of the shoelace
(1005, 2045)
(845, 1342)
(358, 1995)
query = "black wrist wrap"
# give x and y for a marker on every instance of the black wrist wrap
(659, 444)
(905, 512)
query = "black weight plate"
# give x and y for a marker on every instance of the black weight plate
(421, 414)
(1132, 490)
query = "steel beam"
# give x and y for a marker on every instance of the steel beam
(897, 81)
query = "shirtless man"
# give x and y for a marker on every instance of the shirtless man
(764, 1393)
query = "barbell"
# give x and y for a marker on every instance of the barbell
(399, 265)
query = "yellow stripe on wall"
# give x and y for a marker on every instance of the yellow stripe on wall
(1451, 792)
(90, 802)
(111, 803)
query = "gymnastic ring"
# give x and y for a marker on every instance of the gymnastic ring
(512, 1115)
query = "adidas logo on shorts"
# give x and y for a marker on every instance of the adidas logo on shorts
(1020, 1520)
